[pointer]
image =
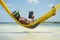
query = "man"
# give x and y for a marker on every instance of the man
(21, 19)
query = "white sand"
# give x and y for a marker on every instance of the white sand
(16, 32)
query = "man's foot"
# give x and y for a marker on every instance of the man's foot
(16, 14)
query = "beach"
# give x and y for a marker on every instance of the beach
(41, 32)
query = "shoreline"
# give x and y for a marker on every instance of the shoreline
(41, 23)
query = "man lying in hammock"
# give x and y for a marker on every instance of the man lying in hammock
(21, 19)
(24, 20)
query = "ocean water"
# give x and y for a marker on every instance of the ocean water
(47, 31)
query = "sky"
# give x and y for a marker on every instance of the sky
(39, 7)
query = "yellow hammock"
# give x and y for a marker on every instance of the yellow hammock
(35, 23)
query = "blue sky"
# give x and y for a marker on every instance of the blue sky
(40, 7)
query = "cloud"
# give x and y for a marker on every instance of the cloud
(33, 1)
(50, 5)
(9, 4)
